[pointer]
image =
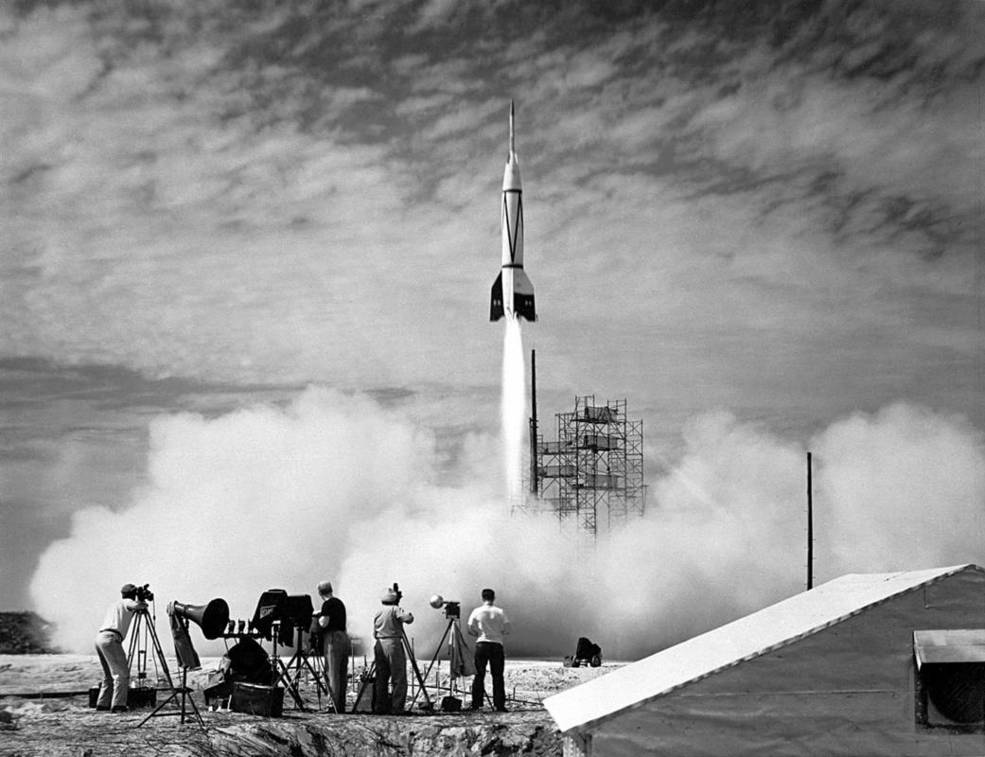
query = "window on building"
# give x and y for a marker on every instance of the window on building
(950, 678)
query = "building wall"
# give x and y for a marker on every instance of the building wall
(848, 689)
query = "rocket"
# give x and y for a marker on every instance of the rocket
(512, 292)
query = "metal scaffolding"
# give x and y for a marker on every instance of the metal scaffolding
(595, 468)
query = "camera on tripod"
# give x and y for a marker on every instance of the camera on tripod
(289, 611)
(452, 609)
(392, 595)
(144, 594)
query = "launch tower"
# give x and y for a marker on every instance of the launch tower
(593, 474)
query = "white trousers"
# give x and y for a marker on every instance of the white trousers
(116, 672)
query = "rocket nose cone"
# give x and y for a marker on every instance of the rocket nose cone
(512, 139)
(511, 174)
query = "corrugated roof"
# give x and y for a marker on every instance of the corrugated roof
(743, 639)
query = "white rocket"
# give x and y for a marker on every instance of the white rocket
(512, 292)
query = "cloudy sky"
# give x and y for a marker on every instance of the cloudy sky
(753, 221)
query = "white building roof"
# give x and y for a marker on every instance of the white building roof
(735, 642)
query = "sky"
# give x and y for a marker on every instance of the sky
(244, 285)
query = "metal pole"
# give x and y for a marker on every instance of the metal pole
(810, 525)
(533, 422)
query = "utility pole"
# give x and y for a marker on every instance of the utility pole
(810, 526)
(533, 422)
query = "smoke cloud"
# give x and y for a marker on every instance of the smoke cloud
(337, 487)
(904, 487)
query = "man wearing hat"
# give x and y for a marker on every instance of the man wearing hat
(390, 661)
(109, 648)
(334, 644)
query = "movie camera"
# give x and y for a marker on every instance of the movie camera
(287, 611)
(144, 594)
(452, 609)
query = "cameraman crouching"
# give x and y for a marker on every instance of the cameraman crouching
(109, 647)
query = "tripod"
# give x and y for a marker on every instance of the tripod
(370, 677)
(290, 673)
(184, 692)
(144, 629)
(457, 659)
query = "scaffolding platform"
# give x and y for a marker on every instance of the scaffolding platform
(593, 471)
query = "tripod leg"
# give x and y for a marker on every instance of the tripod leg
(186, 696)
(137, 632)
(417, 671)
(322, 681)
(160, 653)
(320, 685)
(459, 650)
(284, 675)
(134, 633)
(291, 677)
(331, 696)
(366, 683)
(171, 698)
(281, 671)
(434, 660)
(297, 665)
(185, 693)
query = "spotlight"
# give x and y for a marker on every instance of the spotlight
(452, 609)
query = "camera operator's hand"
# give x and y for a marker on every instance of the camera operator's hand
(134, 604)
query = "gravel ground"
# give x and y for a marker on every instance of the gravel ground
(64, 725)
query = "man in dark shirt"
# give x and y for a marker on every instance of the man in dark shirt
(335, 644)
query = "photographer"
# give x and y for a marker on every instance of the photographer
(109, 647)
(332, 641)
(489, 624)
(390, 660)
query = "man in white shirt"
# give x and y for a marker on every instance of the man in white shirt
(489, 624)
(109, 648)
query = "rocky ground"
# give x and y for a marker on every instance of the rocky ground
(44, 711)
(24, 633)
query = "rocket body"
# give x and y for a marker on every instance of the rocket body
(512, 292)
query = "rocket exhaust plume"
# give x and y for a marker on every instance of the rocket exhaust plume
(513, 408)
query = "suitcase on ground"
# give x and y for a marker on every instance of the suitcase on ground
(137, 697)
(252, 699)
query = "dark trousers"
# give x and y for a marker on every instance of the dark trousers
(335, 646)
(491, 652)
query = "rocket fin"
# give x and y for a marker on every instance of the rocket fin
(496, 305)
(523, 296)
